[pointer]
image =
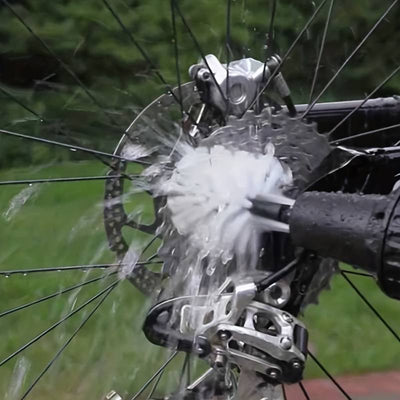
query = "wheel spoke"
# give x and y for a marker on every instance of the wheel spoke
(85, 267)
(142, 52)
(154, 262)
(325, 371)
(287, 54)
(150, 262)
(269, 280)
(52, 327)
(155, 375)
(68, 146)
(188, 371)
(150, 229)
(184, 371)
(383, 83)
(73, 141)
(66, 67)
(24, 106)
(228, 50)
(153, 239)
(364, 134)
(56, 180)
(345, 271)
(354, 52)
(271, 36)
(156, 383)
(135, 42)
(271, 30)
(199, 49)
(160, 134)
(303, 389)
(321, 50)
(55, 294)
(176, 54)
(371, 307)
(151, 258)
(177, 71)
(65, 345)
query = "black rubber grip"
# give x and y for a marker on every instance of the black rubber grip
(361, 230)
(348, 227)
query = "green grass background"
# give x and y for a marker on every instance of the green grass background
(62, 224)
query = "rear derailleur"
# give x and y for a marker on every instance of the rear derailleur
(236, 329)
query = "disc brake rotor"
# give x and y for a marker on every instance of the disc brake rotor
(163, 110)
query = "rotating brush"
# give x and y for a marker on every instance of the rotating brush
(210, 199)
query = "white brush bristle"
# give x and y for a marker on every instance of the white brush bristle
(208, 198)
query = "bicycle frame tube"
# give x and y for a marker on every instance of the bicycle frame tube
(374, 114)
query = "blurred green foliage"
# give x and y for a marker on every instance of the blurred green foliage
(88, 39)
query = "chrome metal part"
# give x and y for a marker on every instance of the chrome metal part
(268, 333)
(211, 384)
(278, 294)
(253, 387)
(254, 363)
(279, 82)
(238, 330)
(205, 318)
(113, 395)
(201, 379)
(230, 91)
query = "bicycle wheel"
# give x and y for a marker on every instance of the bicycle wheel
(66, 102)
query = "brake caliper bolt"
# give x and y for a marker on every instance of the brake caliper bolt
(223, 335)
(205, 75)
(220, 361)
(287, 317)
(198, 349)
(286, 343)
(296, 364)
(201, 347)
(273, 373)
